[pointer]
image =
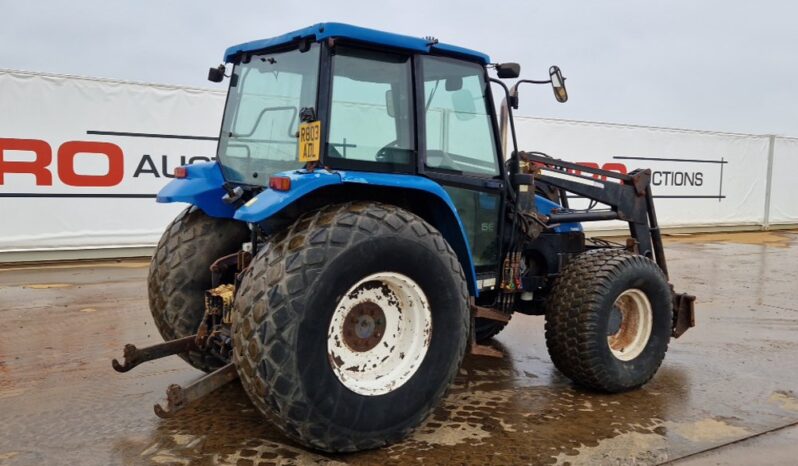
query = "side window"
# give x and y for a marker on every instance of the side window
(372, 113)
(479, 212)
(459, 130)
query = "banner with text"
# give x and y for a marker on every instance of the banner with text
(698, 178)
(82, 159)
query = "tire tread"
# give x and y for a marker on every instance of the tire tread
(174, 279)
(572, 316)
(281, 271)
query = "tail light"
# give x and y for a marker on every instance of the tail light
(181, 172)
(280, 183)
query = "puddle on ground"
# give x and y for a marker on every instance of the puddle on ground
(785, 399)
(707, 430)
(46, 286)
(780, 239)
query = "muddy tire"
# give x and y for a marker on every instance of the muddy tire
(323, 313)
(179, 274)
(485, 329)
(608, 320)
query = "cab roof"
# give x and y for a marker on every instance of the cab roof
(324, 31)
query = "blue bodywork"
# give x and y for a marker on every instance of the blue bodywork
(323, 31)
(203, 187)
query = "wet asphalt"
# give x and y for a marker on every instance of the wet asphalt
(729, 379)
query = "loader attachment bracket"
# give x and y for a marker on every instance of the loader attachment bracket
(683, 313)
(490, 314)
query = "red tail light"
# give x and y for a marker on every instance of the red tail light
(280, 183)
(181, 172)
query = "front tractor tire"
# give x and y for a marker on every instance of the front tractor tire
(351, 325)
(180, 274)
(608, 320)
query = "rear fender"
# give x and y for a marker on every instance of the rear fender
(203, 187)
(444, 217)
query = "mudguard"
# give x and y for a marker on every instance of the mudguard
(269, 202)
(202, 187)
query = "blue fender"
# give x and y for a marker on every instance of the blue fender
(202, 187)
(270, 202)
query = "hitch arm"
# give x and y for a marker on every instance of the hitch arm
(177, 397)
(135, 356)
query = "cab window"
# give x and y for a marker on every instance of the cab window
(371, 118)
(479, 212)
(458, 126)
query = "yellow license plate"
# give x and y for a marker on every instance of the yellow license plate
(309, 141)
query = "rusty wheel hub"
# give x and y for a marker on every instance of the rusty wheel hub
(379, 333)
(364, 326)
(629, 326)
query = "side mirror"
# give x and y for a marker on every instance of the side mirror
(389, 103)
(216, 75)
(508, 70)
(558, 84)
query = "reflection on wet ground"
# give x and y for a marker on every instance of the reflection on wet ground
(733, 376)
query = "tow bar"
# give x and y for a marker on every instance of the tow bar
(134, 356)
(177, 397)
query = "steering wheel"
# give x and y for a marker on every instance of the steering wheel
(392, 153)
(446, 160)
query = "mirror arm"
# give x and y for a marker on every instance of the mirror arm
(509, 101)
(507, 120)
(514, 89)
(513, 93)
(531, 81)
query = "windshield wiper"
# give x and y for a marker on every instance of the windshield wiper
(260, 117)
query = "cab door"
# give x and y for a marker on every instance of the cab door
(371, 122)
(459, 149)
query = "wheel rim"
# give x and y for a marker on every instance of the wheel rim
(632, 310)
(379, 333)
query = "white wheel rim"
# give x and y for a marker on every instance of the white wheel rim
(635, 327)
(379, 333)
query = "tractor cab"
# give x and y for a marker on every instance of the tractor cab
(378, 103)
(359, 100)
(335, 98)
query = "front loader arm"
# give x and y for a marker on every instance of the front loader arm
(629, 199)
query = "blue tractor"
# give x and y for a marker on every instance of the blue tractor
(362, 228)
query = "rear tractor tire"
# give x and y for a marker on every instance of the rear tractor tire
(608, 320)
(351, 325)
(179, 275)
